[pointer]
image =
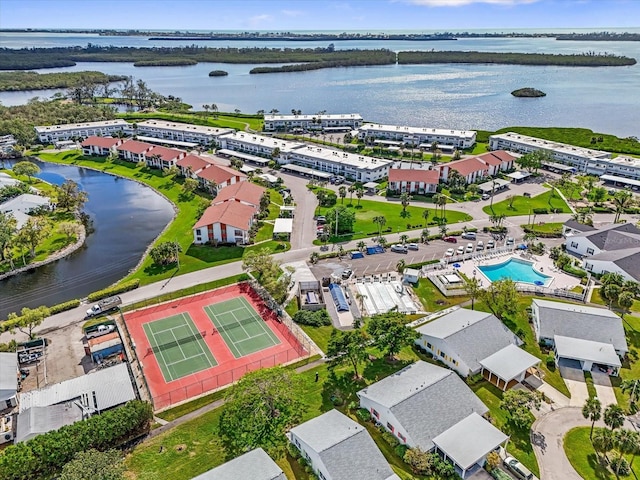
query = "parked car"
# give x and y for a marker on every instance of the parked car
(491, 244)
(519, 470)
(320, 220)
(346, 274)
(450, 239)
(449, 252)
(510, 240)
(469, 235)
(486, 196)
(398, 248)
(460, 250)
(469, 247)
(480, 245)
(413, 246)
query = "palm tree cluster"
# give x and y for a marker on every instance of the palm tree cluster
(616, 290)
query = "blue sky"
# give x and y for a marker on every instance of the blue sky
(376, 15)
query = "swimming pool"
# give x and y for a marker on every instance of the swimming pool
(517, 270)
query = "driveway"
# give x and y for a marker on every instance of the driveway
(547, 434)
(604, 390)
(304, 226)
(574, 379)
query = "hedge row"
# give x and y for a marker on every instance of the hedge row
(107, 292)
(63, 307)
(44, 455)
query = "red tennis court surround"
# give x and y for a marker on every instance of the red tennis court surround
(229, 368)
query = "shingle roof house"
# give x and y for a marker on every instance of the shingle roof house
(253, 465)
(423, 401)
(462, 338)
(340, 449)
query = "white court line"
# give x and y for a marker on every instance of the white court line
(184, 357)
(190, 358)
(198, 343)
(260, 335)
(161, 354)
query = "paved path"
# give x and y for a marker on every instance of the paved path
(604, 390)
(577, 385)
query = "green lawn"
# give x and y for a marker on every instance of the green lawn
(432, 299)
(525, 206)
(631, 366)
(544, 228)
(521, 326)
(229, 120)
(580, 452)
(320, 335)
(392, 211)
(519, 442)
(189, 209)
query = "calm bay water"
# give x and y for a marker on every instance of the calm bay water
(127, 216)
(604, 99)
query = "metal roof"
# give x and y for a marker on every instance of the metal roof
(519, 175)
(8, 375)
(256, 465)
(579, 321)
(616, 178)
(99, 390)
(305, 171)
(283, 225)
(578, 349)
(38, 420)
(469, 440)
(509, 362)
(486, 187)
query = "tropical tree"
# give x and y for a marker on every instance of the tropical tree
(632, 387)
(94, 464)
(612, 278)
(214, 109)
(625, 442)
(359, 194)
(403, 238)
(519, 403)
(534, 160)
(260, 408)
(69, 196)
(69, 229)
(400, 266)
(613, 416)
(342, 193)
(473, 289)
(32, 233)
(501, 298)
(165, 253)
(602, 441)
(27, 321)
(347, 347)
(597, 195)
(424, 235)
(352, 189)
(405, 198)
(381, 221)
(420, 462)
(8, 229)
(360, 298)
(361, 245)
(341, 219)
(26, 168)
(189, 186)
(425, 215)
(625, 301)
(592, 410)
(441, 201)
(622, 199)
(389, 332)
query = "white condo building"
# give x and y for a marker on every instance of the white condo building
(104, 128)
(419, 136)
(273, 123)
(181, 132)
(350, 165)
(594, 162)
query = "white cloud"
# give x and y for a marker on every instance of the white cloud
(293, 13)
(462, 3)
(258, 20)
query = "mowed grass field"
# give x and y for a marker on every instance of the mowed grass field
(525, 205)
(392, 212)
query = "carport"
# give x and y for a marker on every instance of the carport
(518, 177)
(587, 354)
(283, 227)
(306, 172)
(493, 185)
(508, 366)
(371, 187)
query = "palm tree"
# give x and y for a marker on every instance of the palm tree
(400, 266)
(404, 238)
(632, 387)
(360, 298)
(440, 200)
(359, 194)
(613, 416)
(405, 198)
(592, 410)
(382, 241)
(621, 200)
(625, 301)
(381, 222)
(625, 443)
(425, 215)
(352, 188)
(603, 441)
(424, 235)
(342, 192)
(361, 245)
(214, 109)
(612, 278)
(206, 109)
(473, 289)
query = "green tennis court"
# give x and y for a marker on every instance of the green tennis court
(240, 326)
(178, 346)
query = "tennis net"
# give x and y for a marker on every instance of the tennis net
(178, 341)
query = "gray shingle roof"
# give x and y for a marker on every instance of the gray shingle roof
(579, 321)
(627, 259)
(38, 420)
(471, 335)
(345, 447)
(427, 409)
(112, 386)
(612, 237)
(8, 375)
(469, 440)
(581, 227)
(254, 465)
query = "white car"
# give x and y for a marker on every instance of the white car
(449, 252)
(480, 245)
(413, 246)
(491, 244)
(510, 240)
(519, 470)
(460, 250)
(469, 247)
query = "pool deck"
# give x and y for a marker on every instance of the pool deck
(542, 264)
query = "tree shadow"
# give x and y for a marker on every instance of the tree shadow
(339, 391)
(155, 269)
(599, 470)
(405, 214)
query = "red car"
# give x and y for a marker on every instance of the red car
(450, 239)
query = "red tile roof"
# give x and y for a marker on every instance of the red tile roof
(244, 191)
(194, 161)
(429, 177)
(236, 214)
(166, 153)
(219, 174)
(134, 146)
(496, 158)
(467, 166)
(102, 142)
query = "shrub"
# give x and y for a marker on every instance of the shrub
(455, 233)
(63, 307)
(363, 414)
(116, 289)
(400, 450)
(550, 361)
(620, 465)
(318, 318)
(390, 439)
(540, 211)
